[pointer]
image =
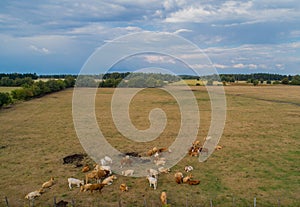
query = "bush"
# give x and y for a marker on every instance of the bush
(285, 81)
(38, 89)
(255, 82)
(5, 99)
(44, 89)
(295, 80)
(69, 81)
(136, 82)
(151, 82)
(85, 81)
(22, 94)
(6, 81)
(110, 83)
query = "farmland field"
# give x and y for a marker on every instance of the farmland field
(260, 156)
(7, 89)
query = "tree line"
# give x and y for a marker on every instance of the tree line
(254, 78)
(14, 76)
(130, 80)
(31, 89)
(257, 78)
(35, 89)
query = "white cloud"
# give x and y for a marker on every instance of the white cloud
(100, 29)
(173, 4)
(294, 34)
(252, 66)
(190, 14)
(236, 12)
(241, 65)
(169, 4)
(228, 30)
(216, 65)
(42, 50)
(158, 59)
(295, 45)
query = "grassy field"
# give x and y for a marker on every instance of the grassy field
(7, 89)
(260, 155)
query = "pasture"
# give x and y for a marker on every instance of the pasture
(260, 156)
(8, 89)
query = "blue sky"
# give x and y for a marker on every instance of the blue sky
(52, 37)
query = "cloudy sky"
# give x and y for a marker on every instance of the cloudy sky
(51, 36)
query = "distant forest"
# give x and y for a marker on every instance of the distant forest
(241, 77)
(33, 86)
(145, 79)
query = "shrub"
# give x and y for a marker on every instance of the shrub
(255, 82)
(5, 99)
(44, 89)
(22, 94)
(285, 81)
(69, 81)
(295, 80)
(85, 81)
(6, 81)
(136, 82)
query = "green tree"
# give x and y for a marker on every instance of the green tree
(136, 82)
(85, 81)
(255, 82)
(22, 94)
(52, 85)
(61, 84)
(285, 81)
(5, 99)
(27, 81)
(43, 87)
(159, 83)
(6, 81)
(69, 81)
(151, 82)
(295, 80)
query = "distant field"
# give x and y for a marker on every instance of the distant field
(260, 155)
(7, 89)
(189, 82)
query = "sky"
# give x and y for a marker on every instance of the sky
(58, 37)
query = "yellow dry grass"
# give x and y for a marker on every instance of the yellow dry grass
(260, 155)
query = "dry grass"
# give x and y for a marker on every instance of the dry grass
(7, 89)
(190, 82)
(260, 157)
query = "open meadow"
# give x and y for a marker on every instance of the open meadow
(8, 89)
(260, 157)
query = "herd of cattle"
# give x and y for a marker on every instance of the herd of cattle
(99, 176)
